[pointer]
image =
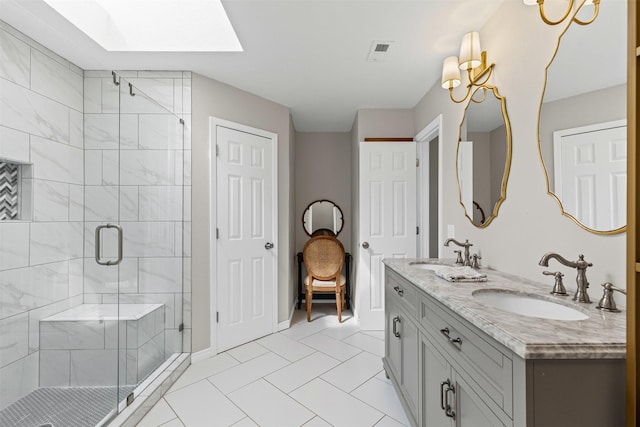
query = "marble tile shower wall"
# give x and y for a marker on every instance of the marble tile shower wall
(41, 261)
(153, 195)
(59, 120)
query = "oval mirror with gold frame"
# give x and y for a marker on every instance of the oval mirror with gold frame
(483, 157)
(582, 121)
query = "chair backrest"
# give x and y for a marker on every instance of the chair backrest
(323, 257)
(323, 232)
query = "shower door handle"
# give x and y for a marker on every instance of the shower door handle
(98, 255)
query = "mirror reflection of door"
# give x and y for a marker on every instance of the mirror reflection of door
(580, 94)
(590, 169)
(484, 156)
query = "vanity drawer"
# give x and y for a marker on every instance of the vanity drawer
(402, 292)
(473, 351)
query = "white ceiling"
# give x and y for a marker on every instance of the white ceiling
(308, 55)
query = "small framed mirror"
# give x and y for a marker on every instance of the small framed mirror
(582, 121)
(322, 217)
(484, 156)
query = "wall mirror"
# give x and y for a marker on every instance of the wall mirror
(582, 121)
(322, 216)
(484, 156)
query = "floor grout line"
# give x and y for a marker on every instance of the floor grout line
(297, 333)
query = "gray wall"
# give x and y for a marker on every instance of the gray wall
(211, 98)
(529, 222)
(323, 171)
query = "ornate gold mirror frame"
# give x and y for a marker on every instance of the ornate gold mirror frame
(550, 192)
(633, 232)
(474, 99)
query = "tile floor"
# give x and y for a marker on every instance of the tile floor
(314, 374)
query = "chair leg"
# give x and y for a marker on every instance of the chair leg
(343, 297)
(339, 304)
(308, 300)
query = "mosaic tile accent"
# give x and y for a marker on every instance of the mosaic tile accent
(8, 191)
(69, 407)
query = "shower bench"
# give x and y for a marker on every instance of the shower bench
(101, 345)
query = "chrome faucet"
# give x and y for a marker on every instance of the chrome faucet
(466, 245)
(581, 279)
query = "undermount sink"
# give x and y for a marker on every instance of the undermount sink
(527, 305)
(426, 265)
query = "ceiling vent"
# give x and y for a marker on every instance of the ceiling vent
(380, 50)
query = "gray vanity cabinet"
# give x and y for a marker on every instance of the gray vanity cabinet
(435, 371)
(419, 362)
(448, 398)
(449, 373)
(401, 347)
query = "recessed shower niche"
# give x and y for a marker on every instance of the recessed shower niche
(16, 190)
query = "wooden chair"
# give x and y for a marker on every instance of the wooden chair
(323, 258)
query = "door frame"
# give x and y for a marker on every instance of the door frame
(423, 138)
(214, 123)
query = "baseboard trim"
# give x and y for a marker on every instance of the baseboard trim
(202, 355)
(287, 323)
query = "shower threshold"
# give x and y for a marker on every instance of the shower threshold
(63, 407)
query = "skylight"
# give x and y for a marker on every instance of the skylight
(152, 25)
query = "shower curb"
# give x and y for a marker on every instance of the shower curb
(152, 394)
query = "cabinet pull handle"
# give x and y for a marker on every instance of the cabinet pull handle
(456, 342)
(398, 290)
(396, 320)
(448, 410)
(442, 384)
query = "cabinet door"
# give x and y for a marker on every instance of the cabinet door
(393, 352)
(470, 410)
(435, 370)
(409, 352)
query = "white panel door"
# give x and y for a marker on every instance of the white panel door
(591, 174)
(245, 254)
(465, 175)
(387, 227)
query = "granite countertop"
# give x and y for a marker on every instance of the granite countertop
(601, 336)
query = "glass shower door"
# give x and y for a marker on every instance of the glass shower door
(150, 213)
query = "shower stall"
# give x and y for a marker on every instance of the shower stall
(94, 236)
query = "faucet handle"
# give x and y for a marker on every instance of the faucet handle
(558, 287)
(582, 263)
(475, 263)
(459, 258)
(607, 303)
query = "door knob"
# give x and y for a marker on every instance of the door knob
(268, 245)
(365, 245)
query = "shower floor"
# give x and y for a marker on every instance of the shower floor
(62, 407)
